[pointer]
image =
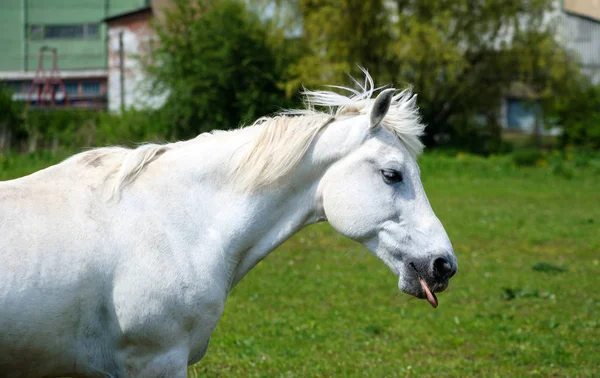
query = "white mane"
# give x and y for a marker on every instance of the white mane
(403, 118)
(284, 138)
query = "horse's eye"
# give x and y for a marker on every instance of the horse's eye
(391, 176)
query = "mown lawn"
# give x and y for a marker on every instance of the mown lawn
(525, 301)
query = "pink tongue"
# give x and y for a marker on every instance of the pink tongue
(431, 298)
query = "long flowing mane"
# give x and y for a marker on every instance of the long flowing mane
(284, 138)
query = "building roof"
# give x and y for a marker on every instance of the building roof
(134, 12)
(583, 8)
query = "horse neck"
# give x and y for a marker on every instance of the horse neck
(244, 226)
(295, 201)
(277, 216)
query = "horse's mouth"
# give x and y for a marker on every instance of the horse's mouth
(429, 293)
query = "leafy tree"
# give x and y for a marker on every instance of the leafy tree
(219, 64)
(461, 56)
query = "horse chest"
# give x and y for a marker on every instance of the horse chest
(173, 308)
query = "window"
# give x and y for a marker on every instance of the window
(66, 31)
(521, 114)
(13, 86)
(72, 88)
(36, 32)
(63, 32)
(584, 32)
(90, 88)
(92, 31)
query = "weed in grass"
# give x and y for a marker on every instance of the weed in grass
(549, 268)
(563, 170)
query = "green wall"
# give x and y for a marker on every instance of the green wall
(11, 35)
(18, 52)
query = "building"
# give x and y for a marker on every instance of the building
(578, 29)
(130, 38)
(75, 28)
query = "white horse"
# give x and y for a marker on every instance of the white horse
(117, 262)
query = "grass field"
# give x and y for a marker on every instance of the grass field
(525, 301)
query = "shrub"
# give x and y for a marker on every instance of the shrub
(578, 113)
(58, 129)
(562, 169)
(217, 63)
(132, 127)
(11, 121)
(527, 157)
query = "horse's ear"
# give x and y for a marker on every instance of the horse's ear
(381, 106)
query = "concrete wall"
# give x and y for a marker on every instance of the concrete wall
(137, 37)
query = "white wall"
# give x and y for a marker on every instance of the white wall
(136, 39)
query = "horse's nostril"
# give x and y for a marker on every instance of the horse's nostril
(443, 268)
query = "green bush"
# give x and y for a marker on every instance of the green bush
(217, 61)
(563, 169)
(132, 127)
(578, 113)
(74, 129)
(59, 129)
(11, 121)
(527, 157)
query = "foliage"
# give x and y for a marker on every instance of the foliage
(563, 170)
(10, 119)
(227, 63)
(527, 157)
(132, 127)
(62, 128)
(578, 113)
(549, 268)
(461, 56)
(218, 63)
(58, 130)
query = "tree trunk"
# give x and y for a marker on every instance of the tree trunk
(537, 131)
(33, 139)
(4, 137)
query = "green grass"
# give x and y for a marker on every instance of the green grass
(525, 301)
(321, 306)
(13, 166)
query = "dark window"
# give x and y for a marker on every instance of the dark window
(64, 32)
(13, 86)
(91, 88)
(72, 88)
(36, 32)
(72, 31)
(92, 31)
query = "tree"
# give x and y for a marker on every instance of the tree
(578, 114)
(461, 56)
(219, 65)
